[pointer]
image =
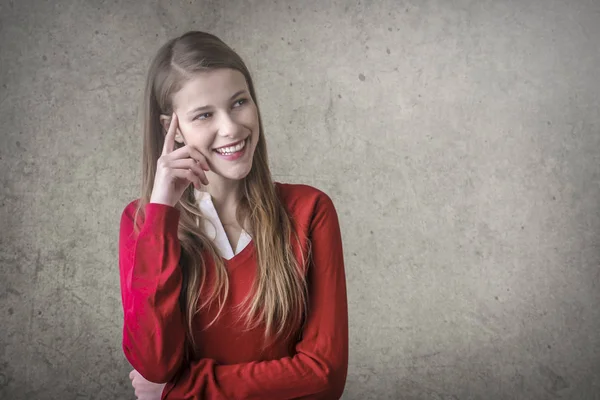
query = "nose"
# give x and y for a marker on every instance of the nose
(229, 127)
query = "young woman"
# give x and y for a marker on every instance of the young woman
(233, 285)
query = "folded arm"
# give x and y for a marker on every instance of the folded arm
(154, 333)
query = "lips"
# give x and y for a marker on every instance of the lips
(230, 144)
(236, 153)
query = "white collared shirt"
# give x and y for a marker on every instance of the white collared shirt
(212, 221)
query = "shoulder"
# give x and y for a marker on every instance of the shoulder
(300, 194)
(304, 201)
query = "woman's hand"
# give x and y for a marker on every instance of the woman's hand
(175, 170)
(144, 389)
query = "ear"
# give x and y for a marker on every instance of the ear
(165, 121)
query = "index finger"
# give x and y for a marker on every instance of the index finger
(170, 136)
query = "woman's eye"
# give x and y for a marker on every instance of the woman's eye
(207, 115)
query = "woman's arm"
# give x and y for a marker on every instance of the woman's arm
(153, 329)
(318, 370)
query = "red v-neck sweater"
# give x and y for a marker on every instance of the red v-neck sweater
(231, 365)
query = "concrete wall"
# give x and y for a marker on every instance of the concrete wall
(459, 140)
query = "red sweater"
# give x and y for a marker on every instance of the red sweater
(230, 364)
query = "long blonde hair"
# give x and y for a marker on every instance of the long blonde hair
(279, 296)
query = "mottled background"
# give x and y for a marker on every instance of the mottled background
(459, 140)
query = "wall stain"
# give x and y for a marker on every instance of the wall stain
(39, 267)
(3, 380)
(557, 382)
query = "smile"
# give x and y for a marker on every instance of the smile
(226, 151)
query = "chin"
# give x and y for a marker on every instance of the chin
(237, 173)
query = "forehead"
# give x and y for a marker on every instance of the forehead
(208, 88)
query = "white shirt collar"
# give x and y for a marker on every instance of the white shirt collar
(214, 228)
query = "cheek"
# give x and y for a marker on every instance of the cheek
(205, 146)
(197, 137)
(250, 116)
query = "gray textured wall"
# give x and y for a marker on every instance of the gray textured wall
(460, 141)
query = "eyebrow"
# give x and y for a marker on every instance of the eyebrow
(236, 94)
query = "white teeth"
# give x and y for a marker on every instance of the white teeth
(230, 150)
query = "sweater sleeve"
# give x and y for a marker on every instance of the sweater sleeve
(153, 329)
(318, 369)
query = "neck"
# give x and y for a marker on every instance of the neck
(225, 193)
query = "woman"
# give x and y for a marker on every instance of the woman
(233, 285)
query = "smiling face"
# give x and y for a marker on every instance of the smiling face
(217, 115)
